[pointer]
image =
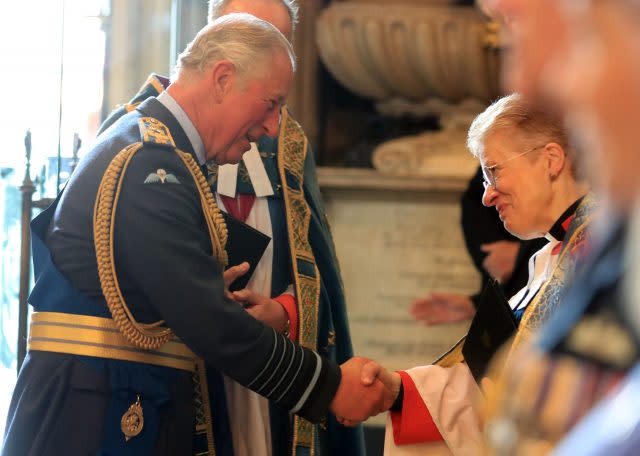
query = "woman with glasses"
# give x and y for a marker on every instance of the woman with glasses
(530, 179)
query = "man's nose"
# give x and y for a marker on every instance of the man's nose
(489, 195)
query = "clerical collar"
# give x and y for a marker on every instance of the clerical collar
(559, 229)
(183, 119)
(228, 175)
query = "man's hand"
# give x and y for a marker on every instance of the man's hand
(441, 308)
(372, 372)
(231, 274)
(263, 308)
(354, 401)
(501, 259)
(391, 380)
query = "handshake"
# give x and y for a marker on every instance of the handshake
(366, 389)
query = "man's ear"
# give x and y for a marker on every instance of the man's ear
(222, 77)
(556, 159)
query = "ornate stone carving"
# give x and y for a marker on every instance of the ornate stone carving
(441, 153)
(411, 51)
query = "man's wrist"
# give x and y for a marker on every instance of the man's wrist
(323, 393)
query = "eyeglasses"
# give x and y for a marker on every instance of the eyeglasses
(489, 172)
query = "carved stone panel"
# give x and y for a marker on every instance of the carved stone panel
(394, 246)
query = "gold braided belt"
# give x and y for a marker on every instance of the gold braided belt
(100, 337)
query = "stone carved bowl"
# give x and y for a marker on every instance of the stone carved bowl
(415, 52)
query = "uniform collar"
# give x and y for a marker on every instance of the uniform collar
(260, 182)
(252, 177)
(183, 119)
(151, 107)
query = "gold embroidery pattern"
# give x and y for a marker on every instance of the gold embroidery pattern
(548, 298)
(203, 417)
(308, 301)
(292, 147)
(212, 173)
(553, 292)
(243, 173)
(303, 434)
(301, 226)
(155, 131)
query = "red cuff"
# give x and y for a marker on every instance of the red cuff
(413, 424)
(290, 306)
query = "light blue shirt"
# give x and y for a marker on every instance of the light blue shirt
(183, 119)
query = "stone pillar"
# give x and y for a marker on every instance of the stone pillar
(303, 96)
(139, 44)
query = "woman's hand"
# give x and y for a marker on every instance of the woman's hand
(441, 308)
(501, 259)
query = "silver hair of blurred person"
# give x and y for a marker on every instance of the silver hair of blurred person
(244, 40)
(217, 7)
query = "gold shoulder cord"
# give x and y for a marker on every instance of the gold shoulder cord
(153, 335)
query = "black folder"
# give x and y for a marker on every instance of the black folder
(493, 324)
(244, 243)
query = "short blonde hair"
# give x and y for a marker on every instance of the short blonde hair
(217, 7)
(512, 111)
(244, 40)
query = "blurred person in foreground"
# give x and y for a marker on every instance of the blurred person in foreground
(575, 389)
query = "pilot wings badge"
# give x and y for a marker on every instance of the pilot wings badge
(161, 176)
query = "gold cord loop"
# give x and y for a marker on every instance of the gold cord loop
(146, 336)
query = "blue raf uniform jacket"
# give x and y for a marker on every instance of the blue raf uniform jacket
(71, 404)
(331, 332)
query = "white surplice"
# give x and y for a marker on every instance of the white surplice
(451, 394)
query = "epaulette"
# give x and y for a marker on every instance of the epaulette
(152, 87)
(155, 132)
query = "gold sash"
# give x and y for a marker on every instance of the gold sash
(99, 337)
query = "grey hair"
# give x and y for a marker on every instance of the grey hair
(217, 7)
(512, 111)
(240, 38)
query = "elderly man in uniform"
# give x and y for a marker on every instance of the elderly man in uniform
(299, 270)
(304, 279)
(129, 298)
